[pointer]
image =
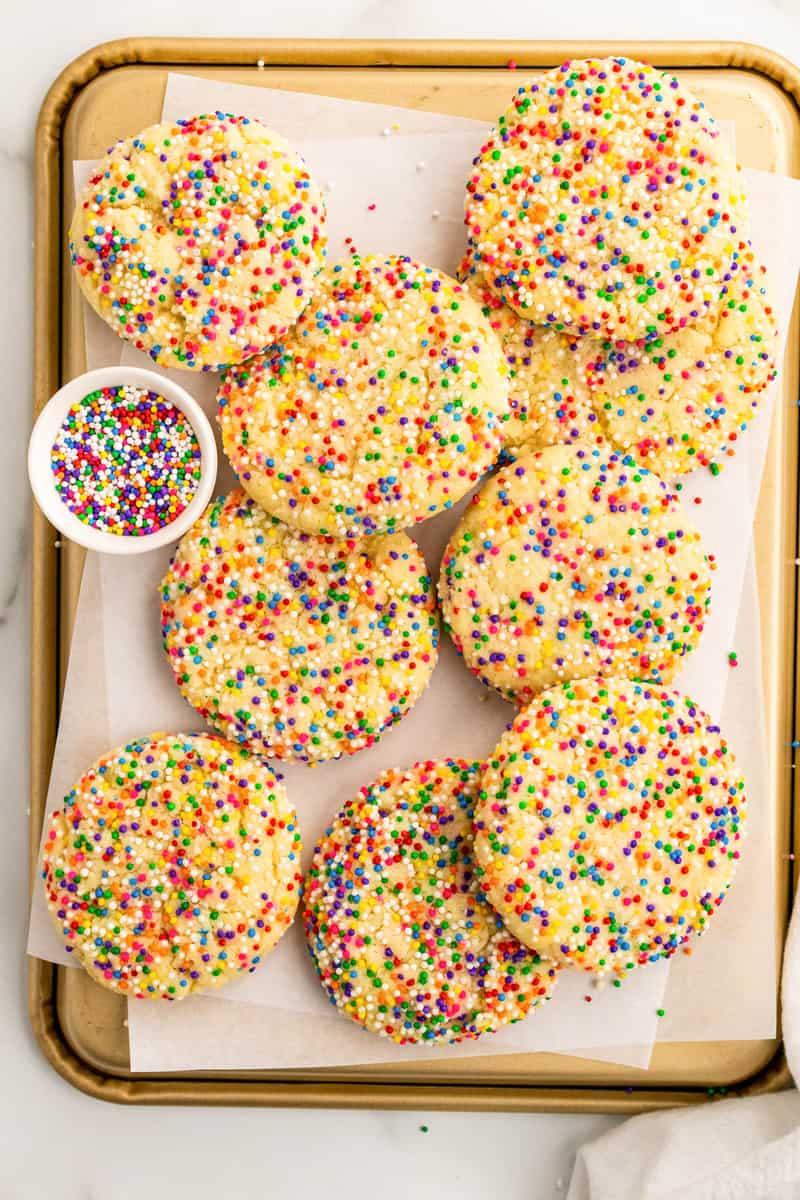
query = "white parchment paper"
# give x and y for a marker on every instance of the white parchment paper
(411, 167)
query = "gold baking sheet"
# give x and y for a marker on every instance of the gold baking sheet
(116, 89)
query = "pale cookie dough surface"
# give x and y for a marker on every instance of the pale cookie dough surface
(173, 865)
(609, 824)
(683, 400)
(383, 406)
(549, 399)
(403, 941)
(605, 201)
(573, 561)
(197, 240)
(299, 647)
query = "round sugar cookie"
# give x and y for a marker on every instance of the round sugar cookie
(573, 561)
(172, 865)
(609, 823)
(403, 941)
(549, 400)
(381, 407)
(299, 647)
(197, 240)
(606, 200)
(681, 400)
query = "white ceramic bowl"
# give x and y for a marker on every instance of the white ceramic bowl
(46, 429)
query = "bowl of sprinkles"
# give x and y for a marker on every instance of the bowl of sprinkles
(122, 460)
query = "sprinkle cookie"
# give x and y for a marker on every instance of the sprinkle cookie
(383, 406)
(573, 561)
(681, 400)
(549, 399)
(605, 200)
(197, 240)
(609, 823)
(299, 647)
(403, 941)
(172, 865)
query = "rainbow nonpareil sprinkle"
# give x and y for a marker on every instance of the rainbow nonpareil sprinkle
(126, 461)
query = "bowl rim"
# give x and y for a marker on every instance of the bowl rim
(45, 431)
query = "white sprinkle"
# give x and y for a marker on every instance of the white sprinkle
(421, 165)
(436, 214)
(260, 65)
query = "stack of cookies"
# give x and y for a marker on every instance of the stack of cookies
(608, 245)
(602, 833)
(610, 331)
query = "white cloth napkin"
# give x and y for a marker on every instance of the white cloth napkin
(728, 1150)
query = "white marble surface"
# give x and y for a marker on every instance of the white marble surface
(53, 1137)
